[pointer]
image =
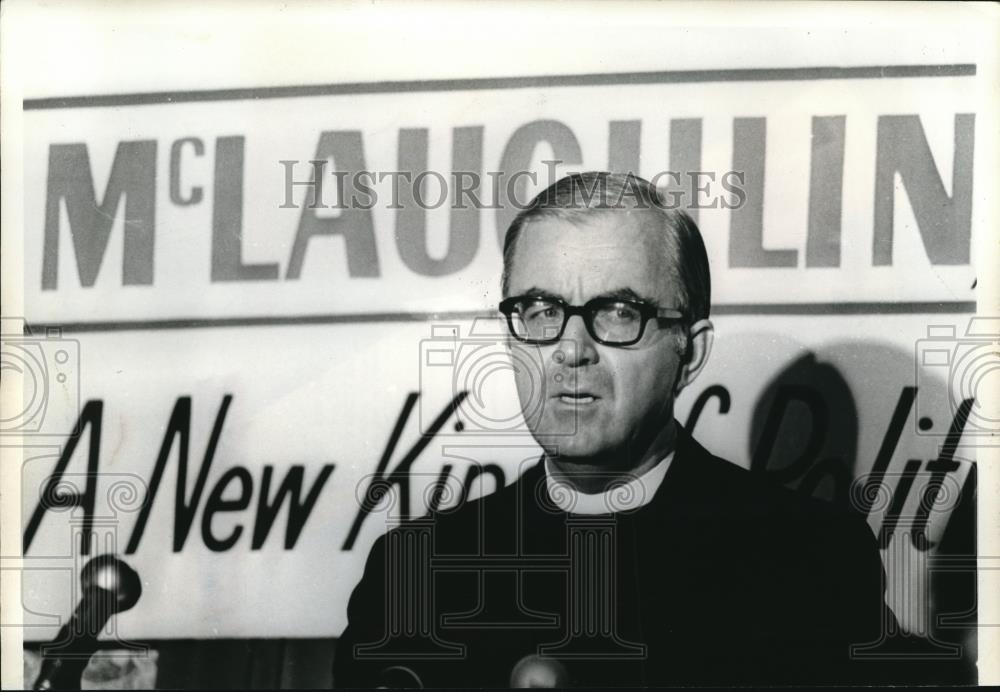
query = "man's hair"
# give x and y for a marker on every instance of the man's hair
(579, 197)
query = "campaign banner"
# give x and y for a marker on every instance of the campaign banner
(264, 322)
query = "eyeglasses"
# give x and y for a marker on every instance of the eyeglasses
(610, 321)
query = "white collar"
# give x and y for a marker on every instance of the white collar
(621, 497)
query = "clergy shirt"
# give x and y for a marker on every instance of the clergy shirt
(620, 497)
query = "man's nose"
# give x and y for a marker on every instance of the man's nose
(576, 347)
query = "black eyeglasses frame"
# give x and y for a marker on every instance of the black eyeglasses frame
(588, 311)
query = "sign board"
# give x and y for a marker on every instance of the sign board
(245, 306)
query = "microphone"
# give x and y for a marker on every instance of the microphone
(109, 586)
(398, 677)
(539, 671)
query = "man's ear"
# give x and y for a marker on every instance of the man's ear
(702, 334)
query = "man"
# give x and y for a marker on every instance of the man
(628, 555)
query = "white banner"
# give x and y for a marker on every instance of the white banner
(242, 354)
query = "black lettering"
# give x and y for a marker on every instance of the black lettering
(746, 233)
(184, 511)
(298, 511)
(381, 482)
(818, 416)
(891, 520)
(354, 225)
(624, 137)
(133, 174)
(945, 223)
(437, 492)
(517, 156)
(716, 391)
(685, 158)
(475, 473)
(411, 220)
(939, 468)
(826, 191)
(216, 504)
(227, 218)
(90, 417)
(869, 489)
(176, 196)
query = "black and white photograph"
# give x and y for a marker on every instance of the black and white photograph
(499, 345)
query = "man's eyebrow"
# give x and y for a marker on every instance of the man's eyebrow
(624, 293)
(542, 293)
(627, 294)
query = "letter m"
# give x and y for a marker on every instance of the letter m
(133, 174)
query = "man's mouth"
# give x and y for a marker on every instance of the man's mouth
(577, 398)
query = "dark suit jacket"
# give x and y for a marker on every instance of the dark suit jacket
(720, 579)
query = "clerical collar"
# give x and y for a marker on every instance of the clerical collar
(621, 497)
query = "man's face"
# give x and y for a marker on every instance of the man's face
(600, 404)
